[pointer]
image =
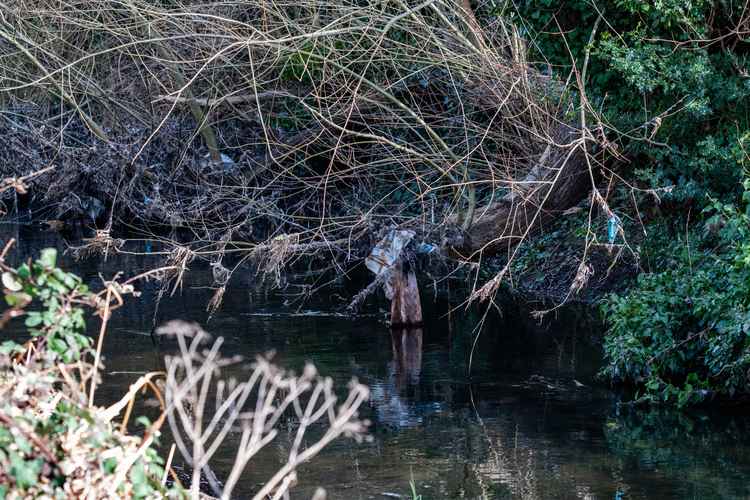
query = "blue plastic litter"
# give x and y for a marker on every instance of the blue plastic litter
(426, 248)
(613, 227)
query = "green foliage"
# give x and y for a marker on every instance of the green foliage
(413, 492)
(670, 77)
(305, 64)
(682, 334)
(58, 322)
(52, 443)
(413, 487)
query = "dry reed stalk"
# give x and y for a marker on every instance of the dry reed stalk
(255, 407)
(341, 118)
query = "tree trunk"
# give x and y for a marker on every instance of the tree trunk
(558, 181)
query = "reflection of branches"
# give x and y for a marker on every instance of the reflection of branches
(505, 464)
(254, 406)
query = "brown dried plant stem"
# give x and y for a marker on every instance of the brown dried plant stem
(95, 127)
(200, 117)
(100, 341)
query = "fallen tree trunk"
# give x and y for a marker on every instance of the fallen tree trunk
(559, 180)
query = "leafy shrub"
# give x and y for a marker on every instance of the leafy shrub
(679, 61)
(682, 334)
(53, 444)
(670, 81)
(59, 324)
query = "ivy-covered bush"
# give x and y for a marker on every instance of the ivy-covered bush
(669, 77)
(669, 80)
(682, 334)
(53, 443)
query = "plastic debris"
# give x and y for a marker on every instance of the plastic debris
(427, 248)
(386, 254)
(225, 161)
(93, 207)
(613, 227)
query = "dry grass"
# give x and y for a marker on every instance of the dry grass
(206, 410)
(336, 119)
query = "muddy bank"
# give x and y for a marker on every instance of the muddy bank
(547, 270)
(146, 174)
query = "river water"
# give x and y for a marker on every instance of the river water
(529, 420)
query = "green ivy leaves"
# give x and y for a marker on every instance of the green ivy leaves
(682, 334)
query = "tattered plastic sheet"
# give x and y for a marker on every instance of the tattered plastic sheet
(386, 255)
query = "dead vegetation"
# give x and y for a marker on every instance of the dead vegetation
(56, 440)
(286, 129)
(251, 412)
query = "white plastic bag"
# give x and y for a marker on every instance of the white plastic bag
(386, 254)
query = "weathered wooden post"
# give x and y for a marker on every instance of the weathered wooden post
(398, 280)
(406, 306)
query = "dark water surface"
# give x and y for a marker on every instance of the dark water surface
(530, 421)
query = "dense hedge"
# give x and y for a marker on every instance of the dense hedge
(670, 78)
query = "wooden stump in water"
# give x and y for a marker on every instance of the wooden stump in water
(406, 308)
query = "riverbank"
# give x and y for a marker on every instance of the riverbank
(561, 176)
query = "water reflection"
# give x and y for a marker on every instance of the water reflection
(393, 398)
(529, 421)
(407, 356)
